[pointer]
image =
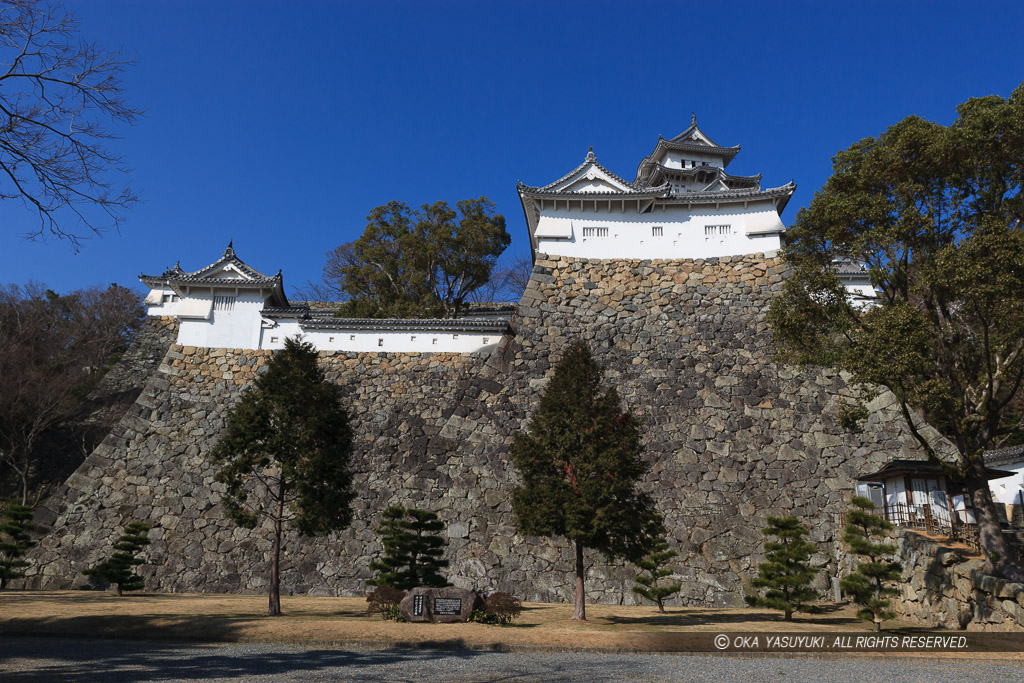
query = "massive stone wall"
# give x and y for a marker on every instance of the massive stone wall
(730, 436)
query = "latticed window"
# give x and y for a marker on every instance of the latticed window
(595, 232)
(657, 231)
(223, 303)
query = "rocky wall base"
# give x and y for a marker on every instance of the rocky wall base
(942, 589)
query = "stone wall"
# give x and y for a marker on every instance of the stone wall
(943, 589)
(730, 436)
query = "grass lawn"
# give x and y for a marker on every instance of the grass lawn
(241, 618)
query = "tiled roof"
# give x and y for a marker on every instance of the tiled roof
(850, 268)
(1004, 456)
(299, 311)
(591, 160)
(717, 172)
(713, 196)
(250, 276)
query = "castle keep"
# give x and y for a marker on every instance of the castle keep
(731, 436)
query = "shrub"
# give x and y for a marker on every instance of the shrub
(501, 608)
(385, 601)
(413, 546)
(871, 584)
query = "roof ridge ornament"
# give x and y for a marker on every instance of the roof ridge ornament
(590, 154)
(230, 251)
(693, 118)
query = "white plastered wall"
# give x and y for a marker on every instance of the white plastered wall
(684, 234)
(378, 341)
(238, 328)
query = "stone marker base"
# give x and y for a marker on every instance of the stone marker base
(439, 605)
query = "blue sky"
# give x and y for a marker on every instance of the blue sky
(280, 125)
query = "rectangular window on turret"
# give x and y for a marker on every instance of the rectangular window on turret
(657, 231)
(223, 303)
(595, 232)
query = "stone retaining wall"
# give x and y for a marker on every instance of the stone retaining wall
(943, 589)
(731, 438)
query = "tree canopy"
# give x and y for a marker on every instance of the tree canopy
(934, 212)
(413, 549)
(55, 348)
(579, 463)
(416, 263)
(284, 458)
(58, 95)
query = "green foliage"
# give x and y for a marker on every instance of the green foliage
(119, 570)
(499, 609)
(285, 455)
(867, 586)
(419, 264)
(785, 573)
(579, 463)
(15, 525)
(850, 417)
(935, 214)
(654, 564)
(385, 601)
(413, 548)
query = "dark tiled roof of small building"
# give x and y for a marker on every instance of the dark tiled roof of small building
(1004, 456)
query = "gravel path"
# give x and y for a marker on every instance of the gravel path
(49, 659)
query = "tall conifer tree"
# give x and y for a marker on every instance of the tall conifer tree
(285, 456)
(579, 463)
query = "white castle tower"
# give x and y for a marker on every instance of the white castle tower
(681, 205)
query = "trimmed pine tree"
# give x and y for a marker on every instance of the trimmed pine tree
(869, 584)
(785, 572)
(119, 570)
(413, 547)
(15, 525)
(579, 462)
(653, 563)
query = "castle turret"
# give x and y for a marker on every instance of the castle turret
(681, 204)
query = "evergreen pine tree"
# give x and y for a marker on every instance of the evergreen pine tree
(284, 458)
(785, 572)
(654, 564)
(579, 463)
(413, 548)
(15, 525)
(868, 584)
(119, 570)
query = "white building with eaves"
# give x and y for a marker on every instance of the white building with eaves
(682, 204)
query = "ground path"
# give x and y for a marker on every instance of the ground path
(53, 659)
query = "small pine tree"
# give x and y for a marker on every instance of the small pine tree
(412, 549)
(654, 564)
(15, 525)
(120, 568)
(867, 585)
(785, 573)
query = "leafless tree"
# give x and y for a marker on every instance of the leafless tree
(54, 350)
(508, 280)
(58, 95)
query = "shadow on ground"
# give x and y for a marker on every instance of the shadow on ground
(102, 661)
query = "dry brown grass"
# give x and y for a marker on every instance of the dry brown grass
(235, 618)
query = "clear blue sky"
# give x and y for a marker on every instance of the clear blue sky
(281, 124)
